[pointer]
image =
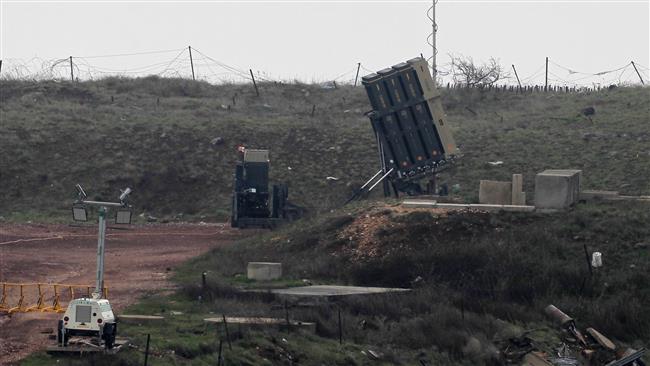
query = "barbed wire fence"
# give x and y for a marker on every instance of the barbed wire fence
(189, 62)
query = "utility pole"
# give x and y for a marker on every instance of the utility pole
(546, 79)
(434, 29)
(191, 62)
(518, 81)
(633, 65)
(71, 70)
(355, 78)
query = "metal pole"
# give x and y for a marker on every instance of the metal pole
(355, 78)
(340, 327)
(71, 70)
(99, 286)
(254, 83)
(191, 62)
(519, 82)
(146, 351)
(637, 72)
(434, 27)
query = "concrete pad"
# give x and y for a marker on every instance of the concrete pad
(495, 193)
(468, 206)
(264, 271)
(259, 322)
(557, 189)
(331, 291)
(589, 194)
(140, 319)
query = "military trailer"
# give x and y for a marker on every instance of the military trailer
(88, 317)
(252, 203)
(413, 138)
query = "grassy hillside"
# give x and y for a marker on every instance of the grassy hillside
(479, 285)
(155, 135)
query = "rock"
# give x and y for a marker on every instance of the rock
(588, 112)
(641, 245)
(217, 141)
(151, 218)
(473, 346)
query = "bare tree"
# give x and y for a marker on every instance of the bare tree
(467, 72)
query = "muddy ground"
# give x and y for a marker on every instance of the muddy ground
(139, 260)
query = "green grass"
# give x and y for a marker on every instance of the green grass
(154, 135)
(482, 275)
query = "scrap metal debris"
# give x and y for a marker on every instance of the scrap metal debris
(588, 348)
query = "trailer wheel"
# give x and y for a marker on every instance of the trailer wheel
(59, 333)
(234, 214)
(110, 331)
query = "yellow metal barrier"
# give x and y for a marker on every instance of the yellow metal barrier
(26, 297)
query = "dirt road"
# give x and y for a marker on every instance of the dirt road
(139, 260)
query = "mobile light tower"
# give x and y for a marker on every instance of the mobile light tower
(93, 316)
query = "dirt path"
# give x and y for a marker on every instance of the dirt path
(139, 260)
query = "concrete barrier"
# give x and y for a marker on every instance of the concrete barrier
(557, 189)
(518, 194)
(264, 271)
(493, 192)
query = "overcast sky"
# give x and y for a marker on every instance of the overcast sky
(325, 39)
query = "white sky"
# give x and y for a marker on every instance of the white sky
(315, 41)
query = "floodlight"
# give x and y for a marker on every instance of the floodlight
(79, 213)
(123, 216)
(125, 193)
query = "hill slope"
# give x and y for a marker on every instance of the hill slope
(155, 135)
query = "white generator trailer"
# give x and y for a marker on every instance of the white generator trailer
(93, 316)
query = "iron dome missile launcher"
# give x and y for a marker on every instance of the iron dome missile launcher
(410, 126)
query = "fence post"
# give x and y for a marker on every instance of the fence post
(191, 62)
(357, 77)
(220, 348)
(515, 70)
(340, 327)
(546, 78)
(146, 351)
(254, 83)
(225, 324)
(71, 70)
(286, 315)
(637, 72)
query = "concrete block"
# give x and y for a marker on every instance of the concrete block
(495, 193)
(557, 189)
(264, 271)
(518, 194)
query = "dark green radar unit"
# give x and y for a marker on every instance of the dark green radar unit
(252, 203)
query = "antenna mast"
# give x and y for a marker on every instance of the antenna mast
(432, 39)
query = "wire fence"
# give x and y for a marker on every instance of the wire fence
(189, 62)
